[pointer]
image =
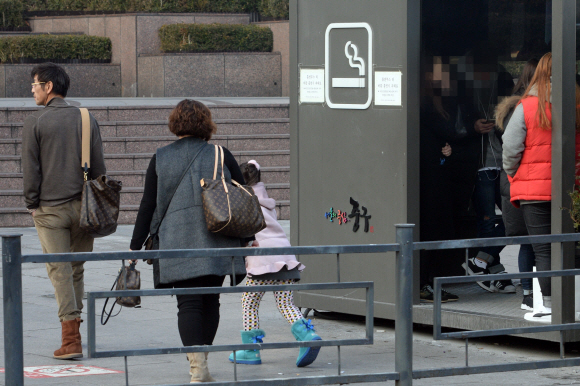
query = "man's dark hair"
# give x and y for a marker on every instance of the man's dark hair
(50, 72)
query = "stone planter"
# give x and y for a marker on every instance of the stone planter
(86, 80)
(241, 74)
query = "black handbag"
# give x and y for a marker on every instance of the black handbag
(129, 278)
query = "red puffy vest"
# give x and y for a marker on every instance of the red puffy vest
(533, 179)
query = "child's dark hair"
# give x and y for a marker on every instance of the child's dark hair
(251, 173)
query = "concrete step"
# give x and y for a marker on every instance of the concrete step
(140, 161)
(19, 217)
(136, 178)
(153, 113)
(132, 145)
(131, 195)
(159, 128)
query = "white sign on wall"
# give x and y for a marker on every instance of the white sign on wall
(311, 85)
(388, 88)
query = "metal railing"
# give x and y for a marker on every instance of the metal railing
(404, 247)
(437, 311)
(12, 260)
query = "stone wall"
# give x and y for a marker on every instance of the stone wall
(131, 34)
(255, 74)
(87, 80)
(281, 31)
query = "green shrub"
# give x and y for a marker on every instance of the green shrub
(11, 13)
(274, 8)
(223, 6)
(54, 47)
(215, 38)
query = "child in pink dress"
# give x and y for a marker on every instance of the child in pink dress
(271, 270)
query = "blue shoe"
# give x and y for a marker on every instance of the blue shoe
(249, 357)
(303, 331)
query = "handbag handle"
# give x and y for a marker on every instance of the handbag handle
(86, 142)
(104, 312)
(221, 154)
(176, 187)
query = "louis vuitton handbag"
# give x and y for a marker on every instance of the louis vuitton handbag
(101, 196)
(129, 278)
(230, 209)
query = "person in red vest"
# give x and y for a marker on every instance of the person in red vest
(527, 160)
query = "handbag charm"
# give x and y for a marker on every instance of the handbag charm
(230, 209)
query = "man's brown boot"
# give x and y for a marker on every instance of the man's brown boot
(71, 340)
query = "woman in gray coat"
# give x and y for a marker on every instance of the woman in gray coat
(171, 208)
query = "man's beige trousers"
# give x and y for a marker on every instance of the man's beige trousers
(59, 232)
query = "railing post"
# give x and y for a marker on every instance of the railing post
(404, 306)
(13, 331)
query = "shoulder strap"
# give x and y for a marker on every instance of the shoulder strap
(177, 186)
(215, 164)
(86, 141)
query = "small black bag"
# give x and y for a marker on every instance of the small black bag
(129, 278)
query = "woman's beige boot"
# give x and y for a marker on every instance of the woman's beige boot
(198, 367)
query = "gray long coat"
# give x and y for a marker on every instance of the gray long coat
(184, 224)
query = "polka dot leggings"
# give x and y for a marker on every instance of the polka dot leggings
(284, 301)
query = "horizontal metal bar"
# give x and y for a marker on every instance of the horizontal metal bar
(212, 252)
(229, 347)
(495, 241)
(498, 368)
(316, 380)
(509, 331)
(505, 276)
(240, 289)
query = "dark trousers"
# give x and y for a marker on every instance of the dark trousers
(538, 218)
(526, 260)
(199, 315)
(436, 205)
(485, 197)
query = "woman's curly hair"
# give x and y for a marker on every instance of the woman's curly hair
(192, 118)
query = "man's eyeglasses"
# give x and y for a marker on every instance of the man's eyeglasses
(36, 83)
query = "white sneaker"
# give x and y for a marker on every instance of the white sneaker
(542, 315)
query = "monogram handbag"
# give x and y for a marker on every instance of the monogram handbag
(129, 278)
(230, 209)
(101, 196)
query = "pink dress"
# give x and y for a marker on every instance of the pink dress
(272, 236)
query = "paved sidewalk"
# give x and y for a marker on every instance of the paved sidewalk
(155, 325)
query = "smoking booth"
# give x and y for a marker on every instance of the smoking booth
(365, 78)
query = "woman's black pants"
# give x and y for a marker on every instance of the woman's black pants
(199, 315)
(538, 218)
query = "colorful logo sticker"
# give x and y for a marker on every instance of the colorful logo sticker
(340, 215)
(355, 213)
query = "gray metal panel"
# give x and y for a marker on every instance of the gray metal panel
(563, 149)
(369, 154)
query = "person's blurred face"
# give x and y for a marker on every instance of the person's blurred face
(441, 79)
